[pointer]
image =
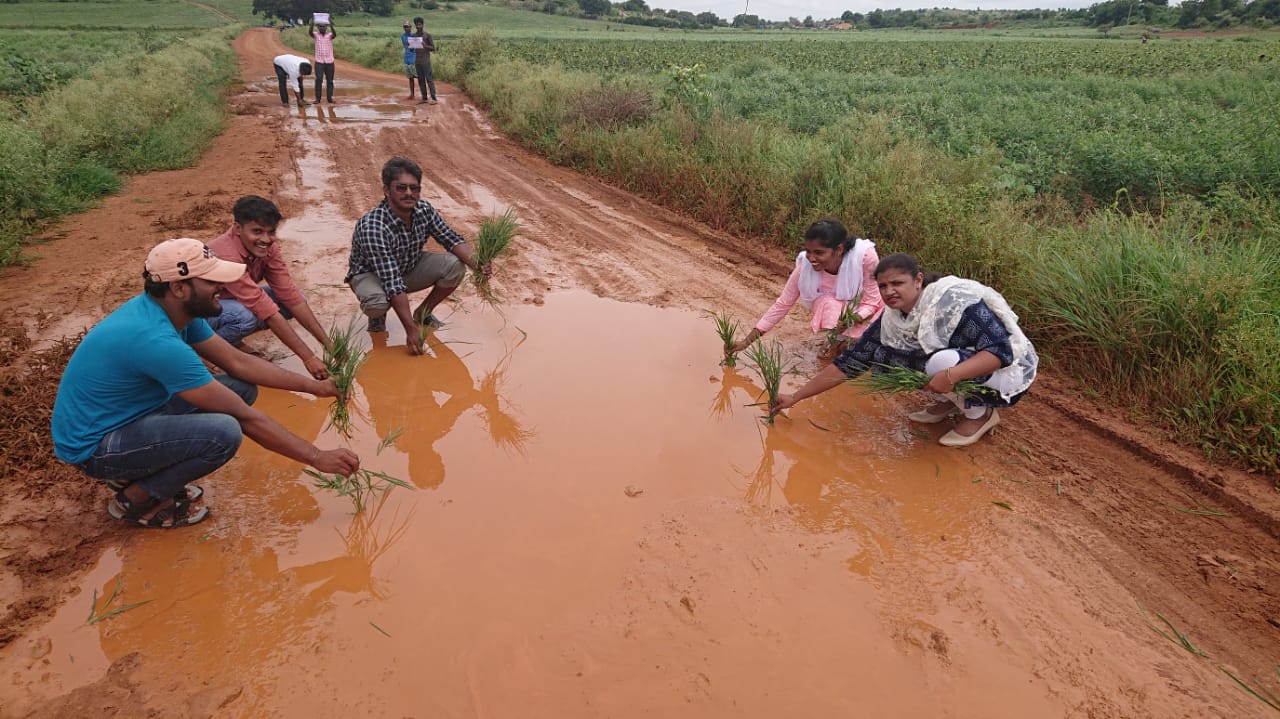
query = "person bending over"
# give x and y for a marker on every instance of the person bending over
(290, 69)
(249, 306)
(950, 328)
(137, 409)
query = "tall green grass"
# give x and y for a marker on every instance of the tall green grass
(132, 113)
(1171, 306)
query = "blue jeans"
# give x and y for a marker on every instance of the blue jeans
(237, 322)
(171, 447)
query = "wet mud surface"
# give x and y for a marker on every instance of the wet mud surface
(600, 526)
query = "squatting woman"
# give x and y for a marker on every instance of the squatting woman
(833, 274)
(950, 328)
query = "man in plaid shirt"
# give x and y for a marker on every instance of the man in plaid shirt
(388, 262)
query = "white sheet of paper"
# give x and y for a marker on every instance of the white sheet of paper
(415, 43)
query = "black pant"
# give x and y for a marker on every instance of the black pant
(283, 78)
(425, 79)
(324, 73)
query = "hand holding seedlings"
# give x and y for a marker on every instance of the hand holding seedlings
(726, 328)
(335, 461)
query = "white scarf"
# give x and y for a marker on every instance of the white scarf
(848, 279)
(935, 317)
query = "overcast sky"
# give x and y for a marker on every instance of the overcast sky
(819, 9)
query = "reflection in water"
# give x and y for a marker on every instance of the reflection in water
(390, 377)
(366, 539)
(722, 404)
(505, 428)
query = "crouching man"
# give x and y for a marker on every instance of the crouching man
(137, 409)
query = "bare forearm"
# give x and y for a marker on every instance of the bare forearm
(280, 326)
(464, 252)
(828, 378)
(302, 312)
(274, 437)
(979, 364)
(261, 372)
(400, 305)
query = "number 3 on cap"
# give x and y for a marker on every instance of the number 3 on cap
(183, 270)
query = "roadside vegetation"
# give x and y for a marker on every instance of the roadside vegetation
(1123, 196)
(120, 88)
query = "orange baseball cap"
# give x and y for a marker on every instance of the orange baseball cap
(185, 258)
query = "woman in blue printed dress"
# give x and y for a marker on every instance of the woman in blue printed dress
(950, 328)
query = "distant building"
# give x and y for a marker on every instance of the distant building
(843, 26)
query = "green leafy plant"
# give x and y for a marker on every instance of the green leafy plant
(767, 360)
(726, 329)
(97, 615)
(891, 379)
(848, 318)
(493, 240)
(358, 486)
(343, 358)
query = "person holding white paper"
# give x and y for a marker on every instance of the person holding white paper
(324, 53)
(410, 69)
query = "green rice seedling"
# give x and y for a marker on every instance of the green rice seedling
(891, 379)
(358, 486)
(1173, 635)
(726, 329)
(343, 358)
(848, 317)
(380, 629)
(493, 240)
(1260, 693)
(766, 359)
(95, 616)
(390, 439)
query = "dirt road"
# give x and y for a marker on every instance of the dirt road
(878, 580)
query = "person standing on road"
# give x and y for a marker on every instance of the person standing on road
(951, 329)
(290, 69)
(410, 69)
(387, 260)
(324, 56)
(248, 306)
(833, 279)
(422, 62)
(137, 409)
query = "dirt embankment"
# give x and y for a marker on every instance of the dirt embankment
(1104, 507)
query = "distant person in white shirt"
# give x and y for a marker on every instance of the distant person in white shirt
(291, 68)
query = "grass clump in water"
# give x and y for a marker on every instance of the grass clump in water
(358, 486)
(767, 360)
(493, 240)
(726, 329)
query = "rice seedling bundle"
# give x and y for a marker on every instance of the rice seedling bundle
(891, 379)
(766, 359)
(343, 358)
(358, 486)
(726, 329)
(848, 318)
(493, 240)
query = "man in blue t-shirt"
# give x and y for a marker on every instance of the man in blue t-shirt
(137, 408)
(409, 56)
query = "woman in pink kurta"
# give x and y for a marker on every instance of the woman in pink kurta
(835, 271)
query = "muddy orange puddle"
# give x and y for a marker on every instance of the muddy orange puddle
(759, 572)
(743, 579)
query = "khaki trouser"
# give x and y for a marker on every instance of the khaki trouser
(432, 269)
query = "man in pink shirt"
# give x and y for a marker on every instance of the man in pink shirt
(247, 306)
(324, 56)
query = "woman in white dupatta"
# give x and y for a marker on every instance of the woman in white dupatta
(834, 272)
(950, 328)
